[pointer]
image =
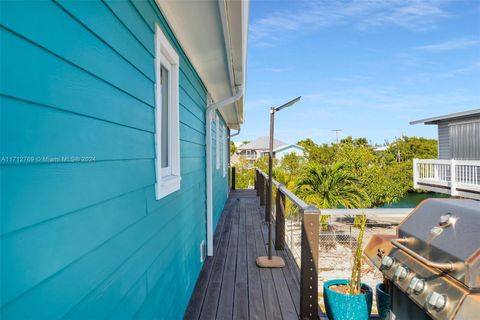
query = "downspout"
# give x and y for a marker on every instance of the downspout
(236, 133)
(208, 127)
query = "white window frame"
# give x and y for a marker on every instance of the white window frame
(217, 140)
(167, 179)
(225, 150)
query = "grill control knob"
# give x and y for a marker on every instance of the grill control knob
(401, 272)
(445, 220)
(416, 285)
(437, 301)
(387, 262)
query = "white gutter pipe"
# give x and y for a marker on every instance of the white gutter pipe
(208, 127)
(236, 133)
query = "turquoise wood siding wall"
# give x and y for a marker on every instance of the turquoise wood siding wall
(220, 183)
(88, 239)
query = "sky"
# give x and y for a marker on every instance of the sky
(366, 67)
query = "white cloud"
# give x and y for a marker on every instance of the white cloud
(416, 15)
(369, 100)
(277, 70)
(456, 44)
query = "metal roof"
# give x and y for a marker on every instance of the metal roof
(451, 116)
(262, 143)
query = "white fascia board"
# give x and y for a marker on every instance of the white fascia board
(207, 47)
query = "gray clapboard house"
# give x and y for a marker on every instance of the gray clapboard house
(258, 148)
(457, 169)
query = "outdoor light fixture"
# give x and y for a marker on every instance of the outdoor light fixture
(272, 261)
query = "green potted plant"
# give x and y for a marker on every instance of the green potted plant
(350, 299)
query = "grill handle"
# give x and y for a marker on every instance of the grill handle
(444, 266)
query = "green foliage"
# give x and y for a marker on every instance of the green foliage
(358, 142)
(288, 180)
(321, 154)
(262, 163)
(233, 148)
(349, 174)
(405, 149)
(244, 174)
(291, 163)
(324, 222)
(330, 186)
(356, 278)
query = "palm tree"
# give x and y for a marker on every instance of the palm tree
(330, 186)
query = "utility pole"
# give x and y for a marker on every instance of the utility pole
(336, 132)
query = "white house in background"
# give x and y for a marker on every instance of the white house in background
(260, 147)
(381, 148)
(457, 169)
(284, 150)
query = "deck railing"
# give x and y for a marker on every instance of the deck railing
(308, 219)
(454, 177)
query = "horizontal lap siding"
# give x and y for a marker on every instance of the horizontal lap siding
(220, 188)
(88, 239)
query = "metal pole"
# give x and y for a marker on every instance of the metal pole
(271, 261)
(270, 178)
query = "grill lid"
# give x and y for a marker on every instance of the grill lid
(447, 230)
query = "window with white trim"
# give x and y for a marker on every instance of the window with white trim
(167, 137)
(217, 140)
(224, 144)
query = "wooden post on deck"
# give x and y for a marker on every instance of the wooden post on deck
(261, 185)
(233, 178)
(279, 220)
(309, 264)
(256, 183)
(268, 199)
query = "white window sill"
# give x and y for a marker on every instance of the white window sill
(167, 185)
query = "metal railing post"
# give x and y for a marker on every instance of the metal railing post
(279, 220)
(233, 178)
(309, 264)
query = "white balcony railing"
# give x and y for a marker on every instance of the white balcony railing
(454, 177)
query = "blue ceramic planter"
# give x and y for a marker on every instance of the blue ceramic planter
(383, 302)
(344, 306)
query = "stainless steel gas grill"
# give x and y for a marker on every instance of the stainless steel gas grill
(433, 263)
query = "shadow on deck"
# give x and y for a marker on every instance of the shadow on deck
(230, 285)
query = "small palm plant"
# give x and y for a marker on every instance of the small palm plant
(330, 186)
(355, 278)
(348, 298)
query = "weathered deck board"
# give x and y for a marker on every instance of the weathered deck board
(256, 306)
(215, 282)
(240, 310)
(287, 306)
(193, 310)
(230, 285)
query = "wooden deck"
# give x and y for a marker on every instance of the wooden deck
(230, 285)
